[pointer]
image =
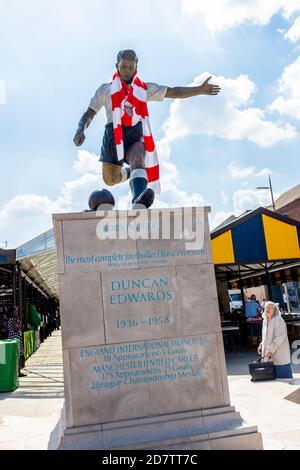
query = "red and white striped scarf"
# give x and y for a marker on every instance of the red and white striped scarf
(136, 96)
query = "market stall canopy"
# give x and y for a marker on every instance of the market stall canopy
(256, 242)
(38, 259)
(7, 256)
(7, 259)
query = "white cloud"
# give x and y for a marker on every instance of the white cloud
(248, 199)
(218, 217)
(2, 92)
(240, 173)
(237, 172)
(220, 115)
(220, 15)
(224, 197)
(264, 172)
(242, 200)
(74, 192)
(289, 7)
(24, 208)
(293, 33)
(87, 162)
(287, 106)
(288, 86)
(171, 194)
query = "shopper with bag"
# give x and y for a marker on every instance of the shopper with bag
(15, 330)
(275, 344)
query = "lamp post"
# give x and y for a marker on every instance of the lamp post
(271, 191)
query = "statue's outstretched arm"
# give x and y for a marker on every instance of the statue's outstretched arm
(84, 122)
(186, 92)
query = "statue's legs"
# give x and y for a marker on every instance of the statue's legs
(114, 174)
(135, 156)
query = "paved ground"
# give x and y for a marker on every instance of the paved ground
(29, 415)
(265, 403)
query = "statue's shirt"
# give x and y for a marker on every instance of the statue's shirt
(102, 98)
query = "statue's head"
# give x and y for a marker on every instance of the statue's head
(126, 64)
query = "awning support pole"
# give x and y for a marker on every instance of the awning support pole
(287, 299)
(241, 286)
(14, 285)
(269, 287)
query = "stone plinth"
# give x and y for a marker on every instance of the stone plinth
(143, 353)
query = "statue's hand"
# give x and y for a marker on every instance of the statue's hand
(208, 89)
(79, 138)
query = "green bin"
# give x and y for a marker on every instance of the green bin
(29, 343)
(34, 317)
(9, 364)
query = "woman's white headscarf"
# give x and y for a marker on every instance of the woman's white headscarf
(275, 306)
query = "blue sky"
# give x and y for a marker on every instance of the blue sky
(212, 150)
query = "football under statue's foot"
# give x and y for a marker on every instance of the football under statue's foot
(144, 200)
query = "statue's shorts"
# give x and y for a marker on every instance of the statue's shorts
(131, 135)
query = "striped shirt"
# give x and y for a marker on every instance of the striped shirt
(102, 97)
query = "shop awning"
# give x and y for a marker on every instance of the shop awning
(255, 243)
(38, 259)
(7, 260)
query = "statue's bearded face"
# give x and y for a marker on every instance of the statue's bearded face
(126, 69)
